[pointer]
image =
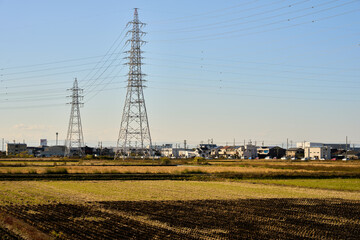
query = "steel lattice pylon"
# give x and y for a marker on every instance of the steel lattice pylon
(75, 140)
(134, 135)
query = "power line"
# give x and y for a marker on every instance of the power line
(189, 17)
(203, 27)
(212, 36)
(50, 63)
(47, 69)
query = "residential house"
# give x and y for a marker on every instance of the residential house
(271, 152)
(296, 153)
(204, 150)
(317, 153)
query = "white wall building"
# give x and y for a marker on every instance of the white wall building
(247, 151)
(316, 153)
(308, 144)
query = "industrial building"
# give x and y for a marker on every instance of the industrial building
(15, 148)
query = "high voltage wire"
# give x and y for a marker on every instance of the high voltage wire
(45, 69)
(254, 68)
(238, 73)
(256, 88)
(52, 62)
(46, 84)
(224, 79)
(208, 37)
(227, 93)
(252, 21)
(251, 83)
(189, 17)
(203, 27)
(262, 31)
(47, 90)
(92, 85)
(205, 64)
(117, 44)
(53, 74)
(255, 62)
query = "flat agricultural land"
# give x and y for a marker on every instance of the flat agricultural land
(177, 210)
(201, 219)
(336, 184)
(221, 206)
(78, 192)
(237, 168)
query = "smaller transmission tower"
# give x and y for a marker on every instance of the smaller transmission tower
(75, 140)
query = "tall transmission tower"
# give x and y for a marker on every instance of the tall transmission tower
(75, 139)
(134, 135)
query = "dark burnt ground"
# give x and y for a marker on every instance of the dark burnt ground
(5, 234)
(203, 219)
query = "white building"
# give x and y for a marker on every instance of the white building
(247, 151)
(308, 144)
(169, 152)
(316, 153)
(186, 153)
(177, 152)
(204, 150)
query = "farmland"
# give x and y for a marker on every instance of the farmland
(223, 199)
(216, 168)
(201, 219)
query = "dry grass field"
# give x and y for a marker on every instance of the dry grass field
(178, 166)
(259, 206)
(175, 210)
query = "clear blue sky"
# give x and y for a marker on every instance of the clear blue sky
(222, 70)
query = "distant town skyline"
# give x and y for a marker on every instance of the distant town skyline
(244, 70)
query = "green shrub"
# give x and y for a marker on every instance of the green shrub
(32, 171)
(200, 161)
(165, 161)
(186, 171)
(88, 157)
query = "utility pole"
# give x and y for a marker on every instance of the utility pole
(134, 123)
(346, 148)
(287, 144)
(75, 139)
(57, 138)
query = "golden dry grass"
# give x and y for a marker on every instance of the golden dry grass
(40, 192)
(146, 169)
